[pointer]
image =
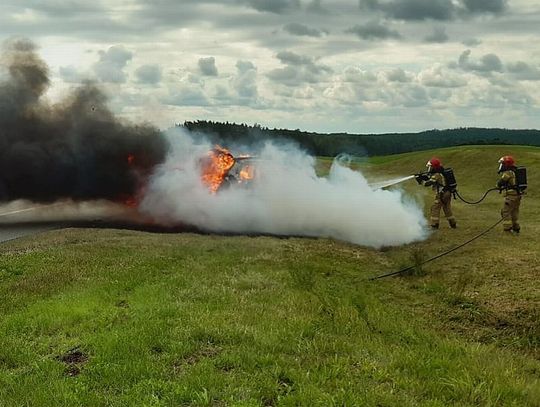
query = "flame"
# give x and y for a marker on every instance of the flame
(215, 167)
(130, 159)
(247, 173)
(131, 202)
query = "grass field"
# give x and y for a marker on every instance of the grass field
(124, 318)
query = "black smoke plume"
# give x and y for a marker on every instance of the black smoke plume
(74, 149)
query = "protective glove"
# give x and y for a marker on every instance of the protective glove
(501, 184)
(421, 178)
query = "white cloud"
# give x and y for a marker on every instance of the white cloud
(245, 81)
(436, 76)
(149, 74)
(523, 71)
(299, 69)
(207, 66)
(111, 64)
(488, 63)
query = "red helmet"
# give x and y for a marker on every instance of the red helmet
(434, 163)
(507, 161)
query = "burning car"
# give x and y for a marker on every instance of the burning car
(220, 169)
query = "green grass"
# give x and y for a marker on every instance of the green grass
(184, 319)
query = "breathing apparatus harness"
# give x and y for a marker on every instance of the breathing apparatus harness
(520, 174)
(449, 180)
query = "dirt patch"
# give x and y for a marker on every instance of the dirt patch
(191, 359)
(122, 304)
(73, 359)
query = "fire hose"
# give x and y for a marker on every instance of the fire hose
(439, 255)
(480, 200)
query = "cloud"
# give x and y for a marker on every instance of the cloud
(441, 10)
(523, 71)
(412, 9)
(274, 6)
(471, 42)
(485, 6)
(437, 36)
(299, 69)
(414, 96)
(65, 8)
(437, 77)
(148, 74)
(354, 74)
(289, 75)
(245, 66)
(70, 74)
(302, 30)
(291, 58)
(186, 95)
(373, 30)
(488, 63)
(245, 81)
(397, 75)
(316, 7)
(111, 64)
(207, 66)
(375, 91)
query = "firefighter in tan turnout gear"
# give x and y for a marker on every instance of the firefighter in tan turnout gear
(513, 191)
(435, 179)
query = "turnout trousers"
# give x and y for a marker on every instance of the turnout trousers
(443, 200)
(510, 213)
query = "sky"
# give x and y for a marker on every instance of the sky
(356, 66)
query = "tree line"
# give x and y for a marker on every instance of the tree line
(332, 144)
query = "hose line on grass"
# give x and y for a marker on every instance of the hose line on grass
(480, 200)
(439, 255)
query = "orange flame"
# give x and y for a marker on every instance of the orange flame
(247, 173)
(215, 167)
(130, 159)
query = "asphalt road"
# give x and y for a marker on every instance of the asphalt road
(14, 231)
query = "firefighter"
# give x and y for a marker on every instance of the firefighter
(512, 195)
(434, 178)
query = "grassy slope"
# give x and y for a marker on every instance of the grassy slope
(211, 320)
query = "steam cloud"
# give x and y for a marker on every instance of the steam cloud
(76, 149)
(286, 198)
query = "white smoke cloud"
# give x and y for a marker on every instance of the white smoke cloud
(286, 198)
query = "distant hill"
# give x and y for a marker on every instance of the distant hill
(331, 144)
